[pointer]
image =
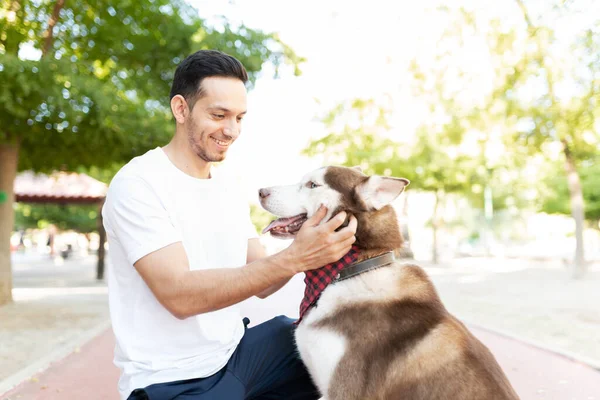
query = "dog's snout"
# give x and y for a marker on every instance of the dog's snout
(263, 193)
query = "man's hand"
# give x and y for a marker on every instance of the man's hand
(316, 245)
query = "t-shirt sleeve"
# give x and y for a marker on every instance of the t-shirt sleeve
(135, 216)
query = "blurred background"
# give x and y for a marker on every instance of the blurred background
(490, 108)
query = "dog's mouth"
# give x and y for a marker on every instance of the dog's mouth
(286, 227)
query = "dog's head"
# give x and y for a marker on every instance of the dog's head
(337, 188)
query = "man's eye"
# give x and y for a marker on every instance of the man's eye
(311, 185)
(218, 116)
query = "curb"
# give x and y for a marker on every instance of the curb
(44, 362)
(595, 364)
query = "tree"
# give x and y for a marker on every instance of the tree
(532, 95)
(86, 83)
(80, 218)
(556, 198)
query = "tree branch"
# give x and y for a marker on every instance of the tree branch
(532, 29)
(530, 25)
(48, 37)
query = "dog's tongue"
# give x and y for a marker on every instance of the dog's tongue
(281, 222)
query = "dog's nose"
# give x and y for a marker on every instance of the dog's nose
(262, 193)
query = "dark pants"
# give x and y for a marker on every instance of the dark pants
(265, 366)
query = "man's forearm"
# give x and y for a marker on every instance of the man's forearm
(273, 288)
(200, 291)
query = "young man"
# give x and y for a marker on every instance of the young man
(184, 253)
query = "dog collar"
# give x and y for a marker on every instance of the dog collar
(317, 280)
(366, 265)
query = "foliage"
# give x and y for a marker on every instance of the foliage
(555, 199)
(260, 217)
(355, 138)
(80, 218)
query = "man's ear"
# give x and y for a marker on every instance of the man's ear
(180, 109)
(378, 191)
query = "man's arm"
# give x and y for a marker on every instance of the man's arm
(186, 292)
(256, 251)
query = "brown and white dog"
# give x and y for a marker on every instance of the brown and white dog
(383, 334)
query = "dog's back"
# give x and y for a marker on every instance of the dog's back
(405, 345)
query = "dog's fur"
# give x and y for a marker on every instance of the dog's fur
(383, 334)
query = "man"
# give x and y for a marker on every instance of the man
(184, 253)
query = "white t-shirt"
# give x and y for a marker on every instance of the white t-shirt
(151, 204)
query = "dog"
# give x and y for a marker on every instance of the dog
(382, 333)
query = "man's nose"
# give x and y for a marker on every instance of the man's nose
(231, 130)
(263, 193)
(231, 133)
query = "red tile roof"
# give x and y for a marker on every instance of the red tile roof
(59, 187)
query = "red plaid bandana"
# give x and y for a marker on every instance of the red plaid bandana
(317, 280)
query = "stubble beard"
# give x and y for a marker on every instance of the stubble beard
(196, 146)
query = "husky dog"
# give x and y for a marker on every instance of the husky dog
(380, 331)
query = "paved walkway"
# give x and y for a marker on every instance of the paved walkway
(535, 373)
(58, 305)
(87, 374)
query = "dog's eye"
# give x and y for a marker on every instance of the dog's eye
(312, 185)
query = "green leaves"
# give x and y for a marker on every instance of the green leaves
(81, 218)
(355, 137)
(64, 118)
(555, 196)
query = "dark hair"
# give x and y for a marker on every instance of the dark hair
(204, 64)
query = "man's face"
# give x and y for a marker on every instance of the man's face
(215, 121)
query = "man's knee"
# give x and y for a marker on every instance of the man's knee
(284, 324)
(282, 332)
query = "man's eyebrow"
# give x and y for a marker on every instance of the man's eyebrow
(223, 109)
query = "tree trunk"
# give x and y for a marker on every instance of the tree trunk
(101, 252)
(435, 225)
(48, 36)
(8, 172)
(577, 210)
(573, 179)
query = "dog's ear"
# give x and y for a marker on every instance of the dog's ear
(358, 168)
(377, 192)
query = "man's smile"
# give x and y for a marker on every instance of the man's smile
(221, 143)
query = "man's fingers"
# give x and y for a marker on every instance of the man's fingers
(348, 231)
(352, 224)
(336, 221)
(317, 217)
(345, 246)
(347, 243)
